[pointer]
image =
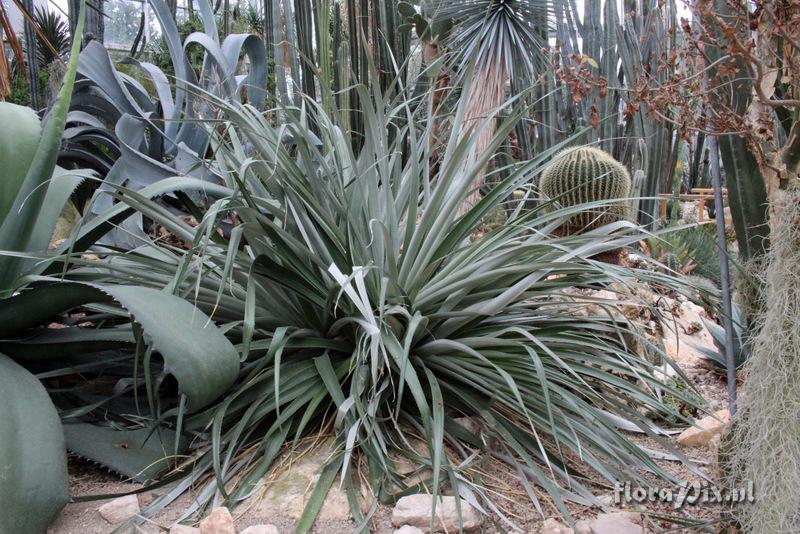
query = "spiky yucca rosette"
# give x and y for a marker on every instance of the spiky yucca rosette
(350, 299)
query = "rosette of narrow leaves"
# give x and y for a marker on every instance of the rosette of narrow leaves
(586, 175)
(53, 37)
(362, 305)
(509, 35)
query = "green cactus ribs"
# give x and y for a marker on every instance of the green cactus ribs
(584, 175)
(671, 262)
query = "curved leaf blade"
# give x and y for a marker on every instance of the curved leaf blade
(33, 462)
(203, 361)
(16, 231)
(17, 147)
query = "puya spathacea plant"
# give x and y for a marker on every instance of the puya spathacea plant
(129, 136)
(350, 298)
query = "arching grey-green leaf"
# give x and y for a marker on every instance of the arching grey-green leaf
(194, 350)
(33, 461)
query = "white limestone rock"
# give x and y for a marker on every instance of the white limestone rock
(416, 511)
(120, 509)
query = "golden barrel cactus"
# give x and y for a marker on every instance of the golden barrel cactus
(587, 174)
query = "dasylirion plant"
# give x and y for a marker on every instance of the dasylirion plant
(584, 175)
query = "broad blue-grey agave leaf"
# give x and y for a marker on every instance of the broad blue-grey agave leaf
(144, 137)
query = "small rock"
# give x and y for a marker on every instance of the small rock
(685, 334)
(553, 526)
(408, 529)
(287, 490)
(120, 509)
(664, 372)
(261, 529)
(413, 473)
(219, 521)
(705, 430)
(632, 517)
(183, 529)
(606, 500)
(615, 523)
(415, 510)
(146, 499)
(583, 527)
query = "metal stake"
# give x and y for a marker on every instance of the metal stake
(727, 312)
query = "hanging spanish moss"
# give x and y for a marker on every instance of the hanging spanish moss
(766, 431)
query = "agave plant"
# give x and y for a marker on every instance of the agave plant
(33, 481)
(741, 342)
(350, 296)
(131, 137)
(34, 189)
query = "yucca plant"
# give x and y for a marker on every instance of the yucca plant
(492, 43)
(352, 298)
(52, 38)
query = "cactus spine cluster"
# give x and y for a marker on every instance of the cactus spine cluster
(587, 174)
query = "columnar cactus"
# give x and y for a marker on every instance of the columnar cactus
(671, 262)
(587, 174)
